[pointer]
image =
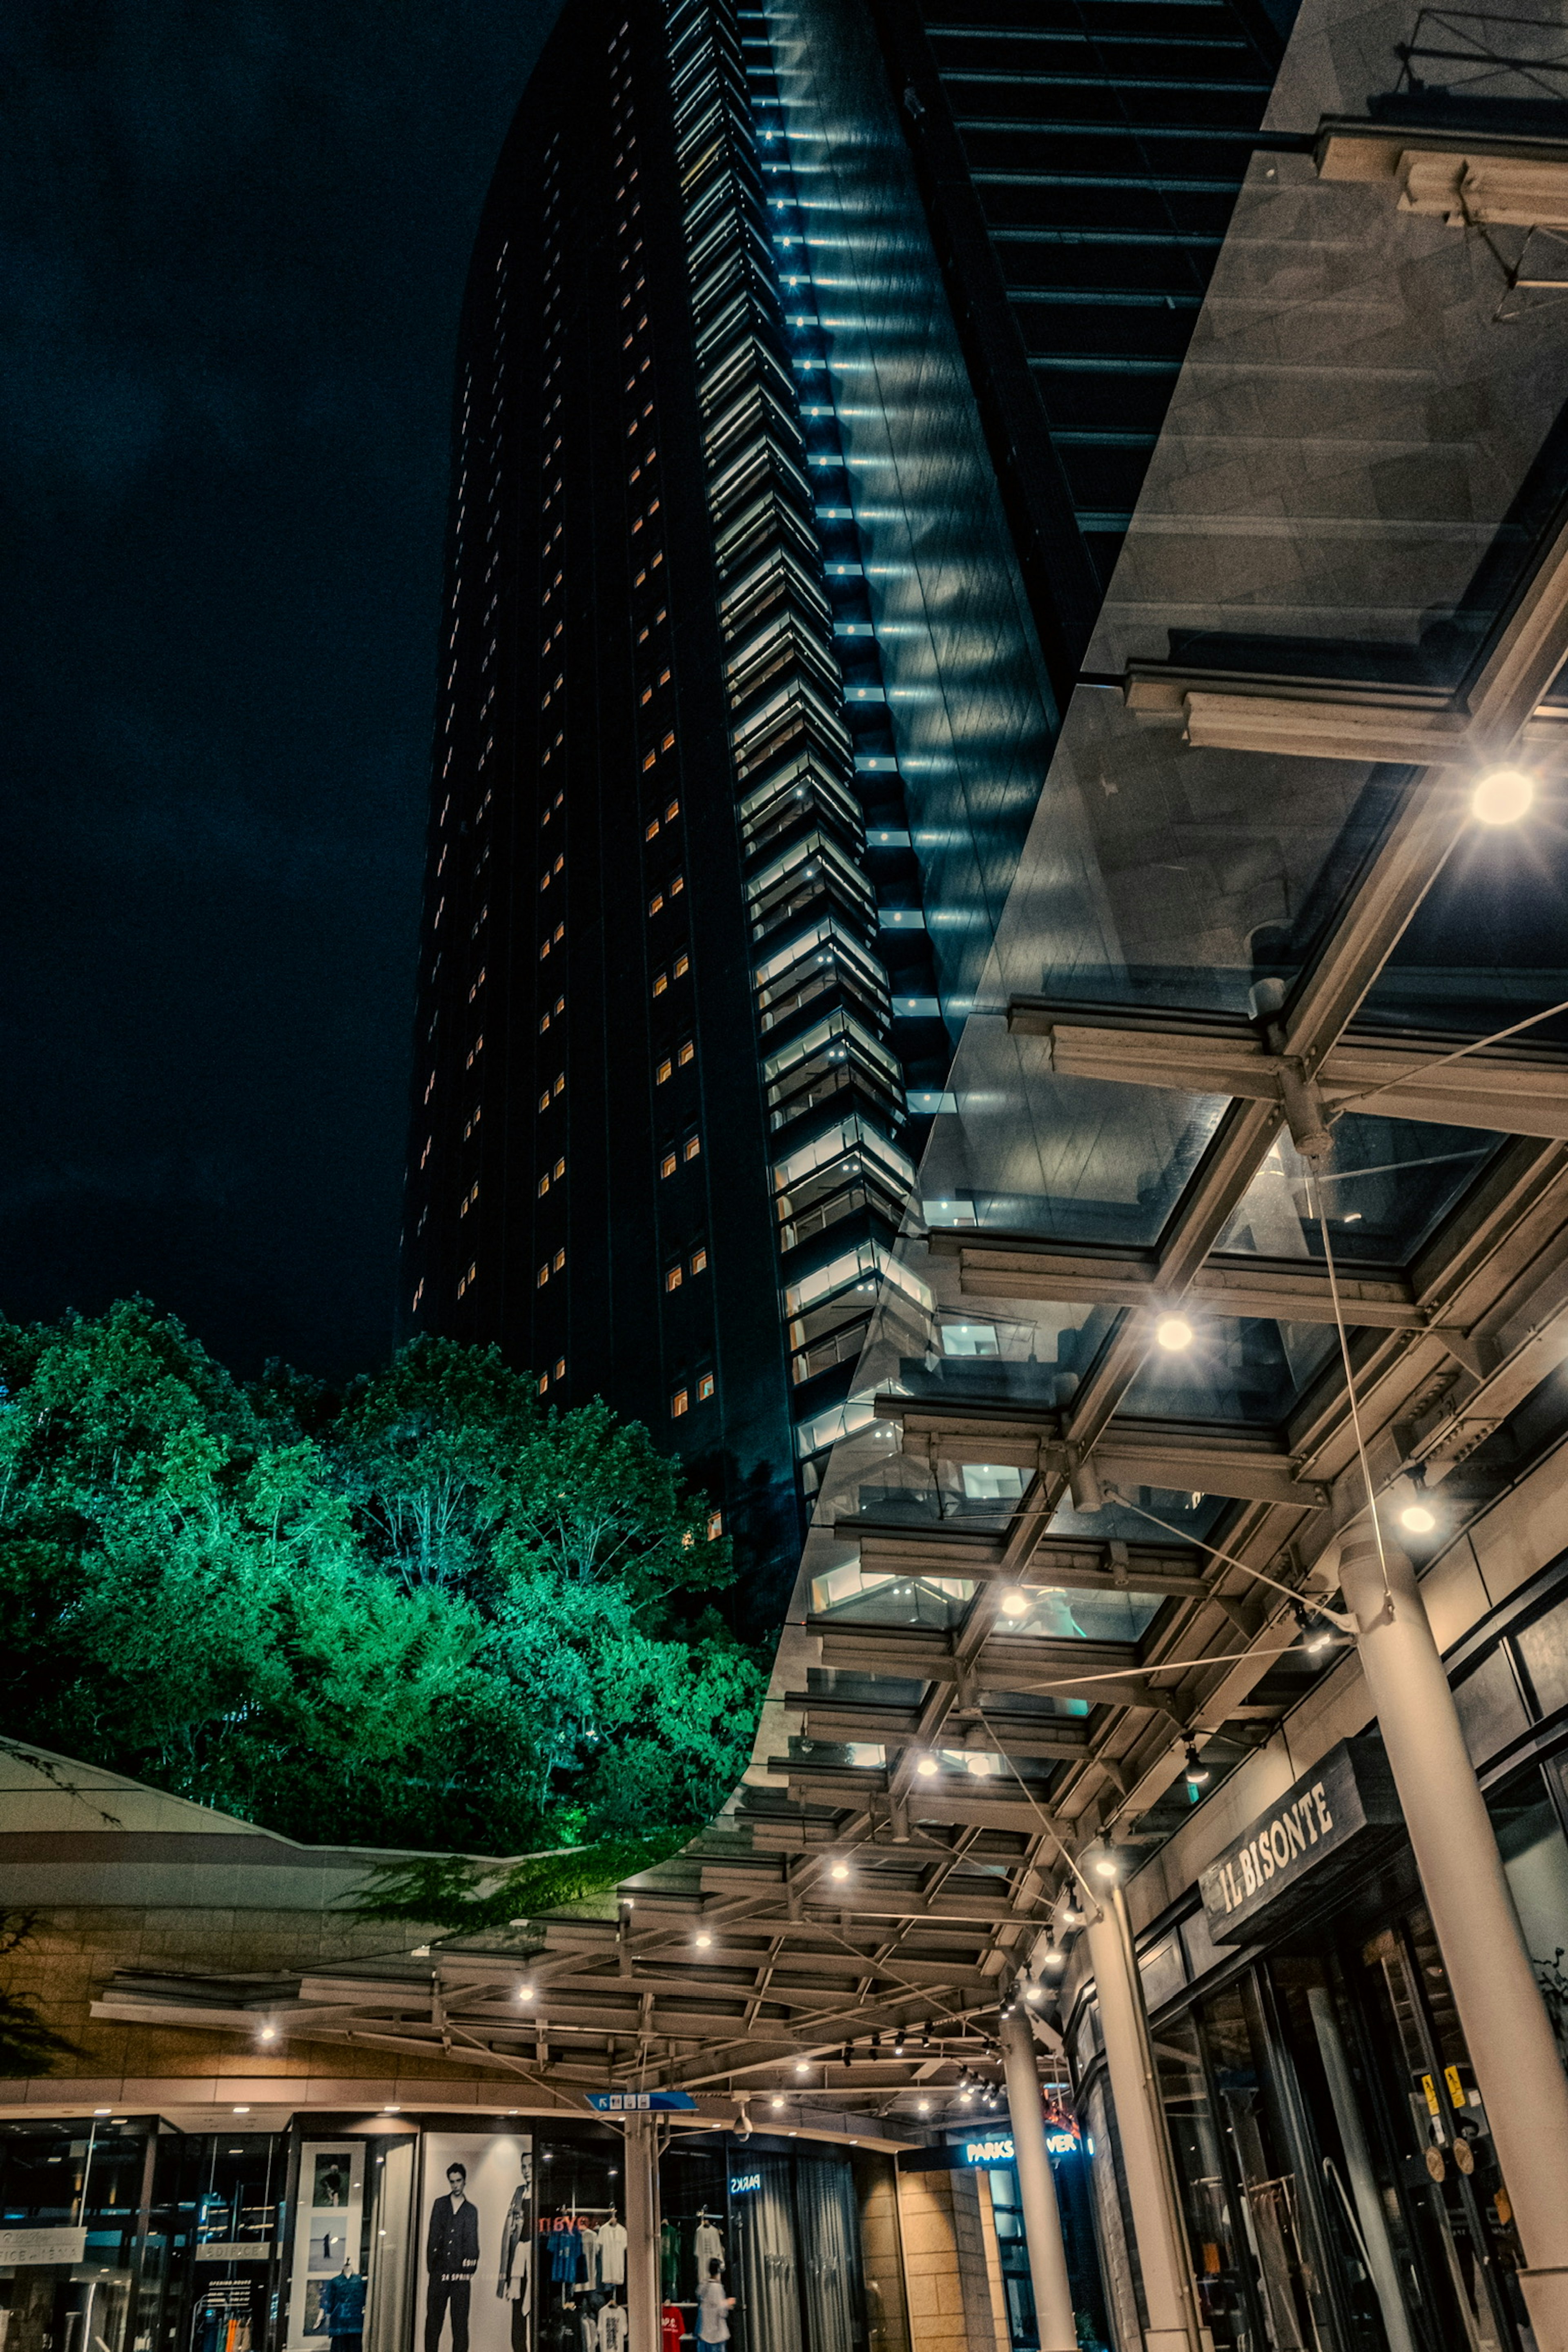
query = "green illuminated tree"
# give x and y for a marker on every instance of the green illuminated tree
(426, 1614)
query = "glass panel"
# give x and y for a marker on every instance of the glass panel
(1271, 2194)
(1489, 1706)
(76, 2177)
(1542, 1646)
(1535, 1858)
(1223, 2260)
(1369, 2251)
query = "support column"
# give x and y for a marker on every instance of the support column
(1037, 2188)
(1141, 2126)
(642, 2235)
(1506, 2028)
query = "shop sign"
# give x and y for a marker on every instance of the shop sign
(1344, 1805)
(996, 2148)
(632, 2103)
(235, 2250)
(22, 2246)
(743, 2184)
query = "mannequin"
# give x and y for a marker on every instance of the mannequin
(342, 2308)
(713, 2307)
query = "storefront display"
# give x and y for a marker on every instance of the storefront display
(422, 2235)
(1335, 2164)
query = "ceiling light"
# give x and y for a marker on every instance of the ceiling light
(839, 1870)
(242, 2111)
(1502, 797)
(1417, 1518)
(979, 1765)
(1013, 1602)
(1173, 1331)
(967, 2094)
(1105, 1867)
(1055, 1958)
(802, 2065)
(703, 1941)
(525, 1992)
(777, 2099)
(928, 1768)
(269, 2034)
(924, 2108)
(1072, 1910)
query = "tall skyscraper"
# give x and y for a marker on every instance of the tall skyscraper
(768, 568)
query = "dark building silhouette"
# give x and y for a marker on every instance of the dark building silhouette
(799, 407)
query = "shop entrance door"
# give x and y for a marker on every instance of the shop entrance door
(1437, 2132)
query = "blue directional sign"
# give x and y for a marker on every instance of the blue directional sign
(632, 2103)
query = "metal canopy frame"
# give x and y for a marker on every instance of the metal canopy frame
(838, 1900)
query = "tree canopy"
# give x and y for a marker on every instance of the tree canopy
(426, 1613)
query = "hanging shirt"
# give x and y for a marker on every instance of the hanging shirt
(588, 2323)
(613, 2328)
(590, 2238)
(670, 2258)
(565, 2254)
(671, 2328)
(612, 2255)
(713, 2319)
(710, 2247)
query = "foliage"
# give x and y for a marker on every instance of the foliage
(470, 1897)
(28, 2046)
(424, 1614)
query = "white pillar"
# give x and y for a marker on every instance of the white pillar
(1037, 2188)
(642, 2236)
(1140, 2127)
(1506, 2028)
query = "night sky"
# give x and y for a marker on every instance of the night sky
(232, 244)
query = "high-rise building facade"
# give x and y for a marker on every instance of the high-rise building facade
(766, 579)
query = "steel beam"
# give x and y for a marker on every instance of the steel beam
(1287, 1290)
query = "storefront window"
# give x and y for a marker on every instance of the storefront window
(71, 2197)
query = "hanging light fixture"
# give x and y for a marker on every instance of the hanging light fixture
(1198, 1774)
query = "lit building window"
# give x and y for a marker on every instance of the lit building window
(704, 1388)
(655, 902)
(685, 1052)
(559, 1260)
(544, 1184)
(693, 1146)
(542, 1278)
(682, 964)
(677, 1404)
(672, 1278)
(559, 1368)
(715, 1526)
(651, 829)
(662, 1072)
(699, 1260)
(673, 811)
(559, 1169)
(660, 982)
(669, 1164)
(543, 1382)
(544, 1099)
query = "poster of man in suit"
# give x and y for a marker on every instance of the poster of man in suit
(476, 2247)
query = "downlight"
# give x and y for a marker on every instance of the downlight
(1502, 797)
